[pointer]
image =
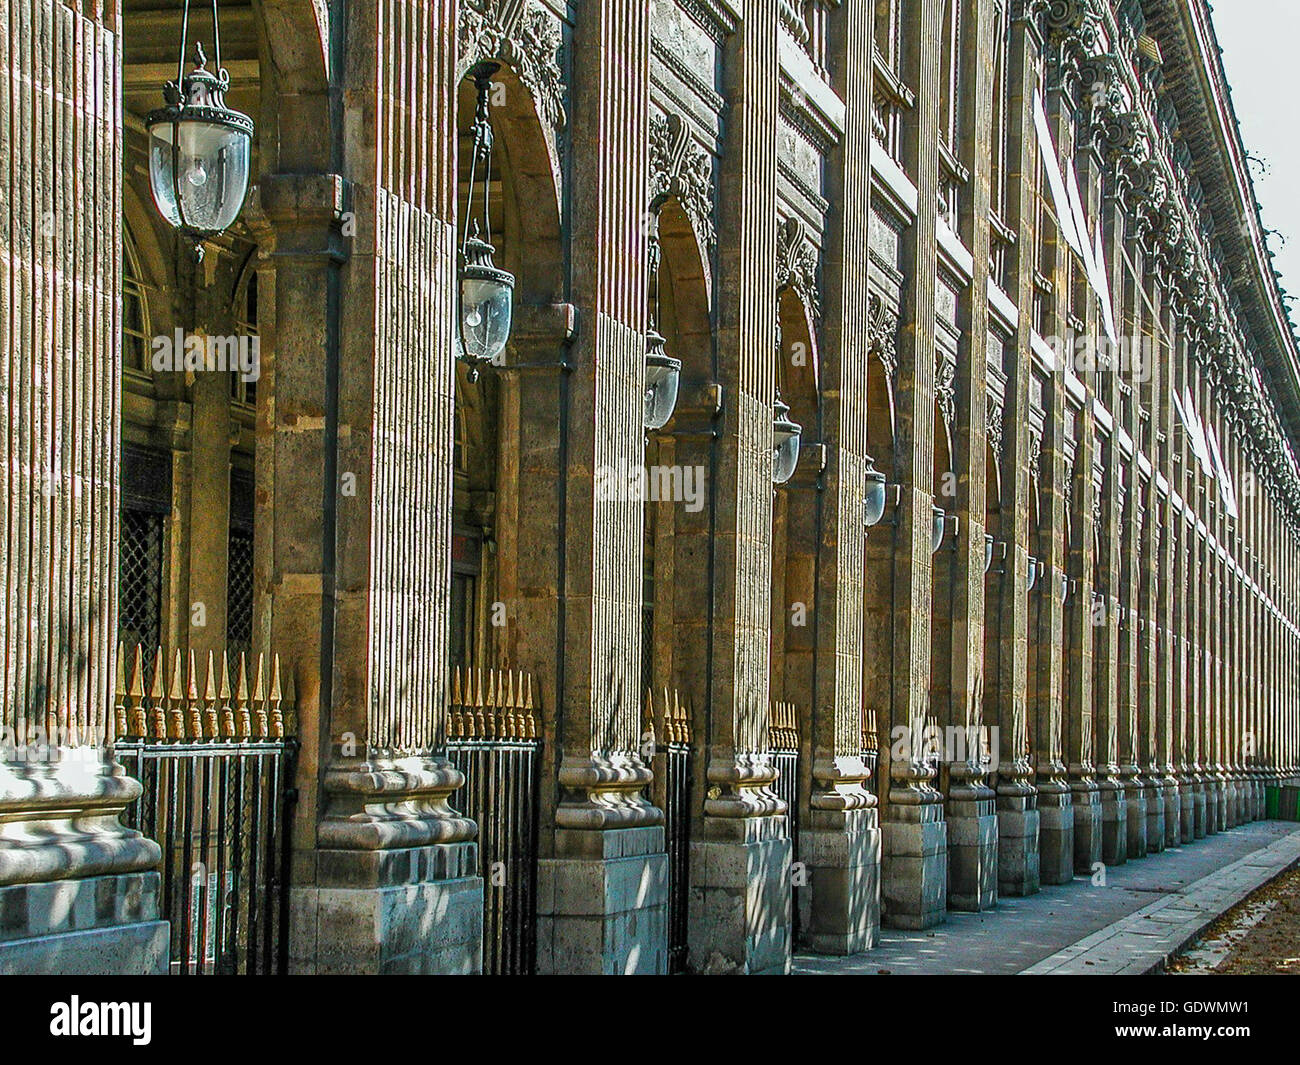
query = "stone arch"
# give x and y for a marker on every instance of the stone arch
(798, 369)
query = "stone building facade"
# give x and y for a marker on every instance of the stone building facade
(896, 217)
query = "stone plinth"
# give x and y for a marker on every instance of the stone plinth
(914, 866)
(1199, 806)
(416, 910)
(1055, 833)
(1186, 809)
(1087, 827)
(1135, 806)
(97, 926)
(972, 850)
(1173, 810)
(840, 906)
(740, 901)
(1018, 845)
(602, 903)
(77, 889)
(1154, 788)
(1114, 821)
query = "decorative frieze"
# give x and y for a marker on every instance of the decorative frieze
(680, 168)
(526, 37)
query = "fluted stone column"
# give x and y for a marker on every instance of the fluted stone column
(959, 610)
(915, 843)
(602, 886)
(1019, 639)
(359, 463)
(77, 889)
(840, 839)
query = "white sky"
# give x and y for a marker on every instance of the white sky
(1259, 39)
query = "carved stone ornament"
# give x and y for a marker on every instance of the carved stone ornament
(945, 387)
(796, 263)
(526, 38)
(883, 334)
(993, 427)
(680, 168)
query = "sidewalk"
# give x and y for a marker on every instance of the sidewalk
(1148, 910)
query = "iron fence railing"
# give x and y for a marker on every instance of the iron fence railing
(668, 728)
(215, 758)
(492, 738)
(783, 744)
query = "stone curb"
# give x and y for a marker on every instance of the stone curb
(1143, 942)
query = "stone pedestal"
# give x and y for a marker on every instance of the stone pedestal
(1186, 810)
(1018, 844)
(77, 889)
(1231, 801)
(98, 926)
(1055, 833)
(602, 903)
(914, 866)
(408, 911)
(1155, 796)
(1135, 805)
(1114, 821)
(840, 907)
(739, 915)
(1198, 806)
(1173, 810)
(1087, 827)
(392, 885)
(972, 819)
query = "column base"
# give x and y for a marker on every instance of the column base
(1056, 835)
(1200, 807)
(914, 866)
(840, 905)
(1186, 811)
(739, 914)
(1018, 855)
(413, 910)
(1087, 829)
(95, 926)
(602, 903)
(1173, 811)
(972, 853)
(1135, 804)
(1155, 793)
(1114, 822)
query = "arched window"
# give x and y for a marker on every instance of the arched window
(136, 331)
(245, 315)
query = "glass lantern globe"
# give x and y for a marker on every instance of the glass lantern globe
(1033, 573)
(785, 443)
(486, 304)
(988, 552)
(200, 153)
(936, 528)
(663, 374)
(874, 503)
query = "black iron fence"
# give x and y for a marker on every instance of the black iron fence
(668, 728)
(492, 738)
(217, 775)
(783, 744)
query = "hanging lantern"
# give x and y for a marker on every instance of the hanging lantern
(1033, 573)
(936, 528)
(486, 291)
(662, 376)
(200, 151)
(785, 442)
(874, 500)
(988, 552)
